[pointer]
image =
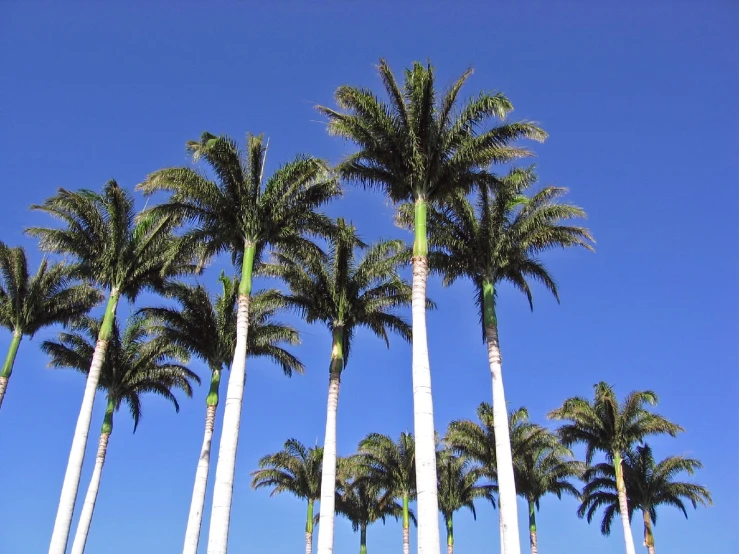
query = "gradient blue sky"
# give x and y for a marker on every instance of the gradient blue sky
(640, 101)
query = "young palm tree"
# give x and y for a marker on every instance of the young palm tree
(29, 303)
(240, 214)
(296, 470)
(649, 485)
(459, 488)
(207, 329)
(611, 427)
(344, 292)
(496, 241)
(421, 148)
(111, 248)
(132, 366)
(393, 465)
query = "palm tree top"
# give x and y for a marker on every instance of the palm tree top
(295, 469)
(458, 484)
(389, 462)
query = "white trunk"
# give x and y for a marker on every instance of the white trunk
(308, 542)
(624, 509)
(220, 516)
(83, 527)
(406, 540)
(71, 483)
(3, 386)
(328, 475)
(532, 541)
(423, 418)
(507, 506)
(195, 519)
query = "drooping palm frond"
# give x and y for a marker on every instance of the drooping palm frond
(459, 484)
(296, 469)
(389, 463)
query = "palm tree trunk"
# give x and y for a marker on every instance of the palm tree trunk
(532, 527)
(9, 361)
(406, 526)
(328, 469)
(309, 529)
(507, 506)
(220, 516)
(648, 534)
(623, 504)
(195, 519)
(449, 535)
(362, 540)
(71, 483)
(83, 526)
(423, 404)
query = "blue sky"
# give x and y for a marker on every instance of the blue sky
(639, 99)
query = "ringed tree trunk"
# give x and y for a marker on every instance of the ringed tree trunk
(83, 527)
(309, 529)
(328, 466)
(406, 526)
(9, 361)
(220, 516)
(63, 521)
(363, 540)
(648, 534)
(449, 534)
(623, 504)
(195, 519)
(507, 507)
(423, 405)
(532, 527)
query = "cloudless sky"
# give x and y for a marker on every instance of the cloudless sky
(640, 101)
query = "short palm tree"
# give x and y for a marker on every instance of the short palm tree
(344, 292)
(459, 488)
(240, 214)
(206, 328)
(420, 147)
(295, 470)
(495, 241)
(649, 485)
(132, 366)
(612, 427)
(29, 303)
(123, 255)
(393, 465)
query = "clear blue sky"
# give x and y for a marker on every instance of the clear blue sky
(640, 101)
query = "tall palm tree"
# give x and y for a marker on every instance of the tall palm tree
(344, 292)
(612, 427)
(240, 214)
(295, 470)
(393, 464)
(206, 328)
(495, 241)
(132, 366)
(649, 485)
(459, 488)
(121, 254)
(29, 303)
(420, 147)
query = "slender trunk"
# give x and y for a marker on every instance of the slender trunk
(71, 483)
(362, 540)
(309, 529)
(506, 485)
(532, 527)
(423, 405)
(83, 527)
(9, 361)
(328, 470)
(195, 519)
(220, 516)
(449, 534)
(648, 534)
(622, 504)
(406, 526)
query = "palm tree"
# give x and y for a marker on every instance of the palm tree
(206, 328)
(132, 366)
(499, 240)
(240, 214)
(393, 464)
(362, 500)
(111, 248)
(649, 485)
(611, 427)
(344, 292)
(29, 303)
(296, 470)
(421, 151)
(459, 488)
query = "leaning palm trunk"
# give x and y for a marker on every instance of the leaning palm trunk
(423, 405)
(532, 527)
(648, 535)
(623, 504)
(328, 469)
(195, 519)
(9, 361)
(71, 482)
